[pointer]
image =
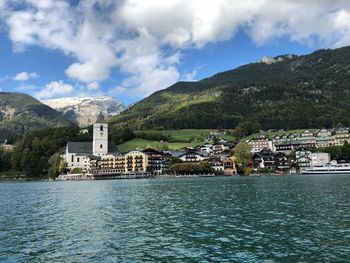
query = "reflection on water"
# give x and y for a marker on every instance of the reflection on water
(271, 219)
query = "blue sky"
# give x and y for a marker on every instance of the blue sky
(129, 49)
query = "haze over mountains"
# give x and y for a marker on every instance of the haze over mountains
(84, 111)
(287, 92)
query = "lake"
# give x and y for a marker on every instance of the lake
(239, 219)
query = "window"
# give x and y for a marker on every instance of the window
(78, 159)
(101, 146)
(72, 159)
(101, 128)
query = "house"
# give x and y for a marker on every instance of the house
(216, 164)
(341, 136)
(206, 148)
(319, 158)
(136, 161)
(219, 148)
(113, 161)
(307, 139)
(229, 166)
(303, 157)
(324, 138)
(77, 153)
(157, 161)
(270, 160)
(190, 155)
(259, 143)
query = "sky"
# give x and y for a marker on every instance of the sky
(129, 49)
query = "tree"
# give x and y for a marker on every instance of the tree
(163, 146)
(56, 165)
(247, 128)
(243, 156)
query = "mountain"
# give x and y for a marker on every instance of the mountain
(84, 111)
(289, 92)
(20, 113)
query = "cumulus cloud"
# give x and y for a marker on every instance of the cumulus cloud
(24, 76)
(55, 89)
(144, 40)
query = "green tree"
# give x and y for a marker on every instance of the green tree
(163, 146)
(247, 128)
(243, 156)
(56, 165)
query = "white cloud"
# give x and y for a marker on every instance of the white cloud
(55, 89)
(24, 76)
(144, 39)
(93, 86)
(190, 76)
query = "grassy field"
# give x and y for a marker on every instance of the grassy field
(142, 144)
(193, 134)
(195, 137)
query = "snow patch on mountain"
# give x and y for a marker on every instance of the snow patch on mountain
(84, 111)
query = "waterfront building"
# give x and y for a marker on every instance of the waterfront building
(229, 166)
(77, 154)
(216, 164)
(136, 161)
(113, 161)
(319, 158)
(270, 160)
(303, 157)
(158, 161)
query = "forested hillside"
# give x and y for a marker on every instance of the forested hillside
(20, 113)
(288, 92)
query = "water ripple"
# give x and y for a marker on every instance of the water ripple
(261, 219)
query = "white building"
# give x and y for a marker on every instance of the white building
(319, 158)
(260, 143)
(77, 153)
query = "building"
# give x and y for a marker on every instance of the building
(78, 154)
(229, 166)
(303, 158)
(191, 155)
(324, 138)
(341, 136)
(113, 161)
(307, 139)
(217, 165)
(136, 162)
(259, 143)
(270, 160)
(319, 158)
(158, 162)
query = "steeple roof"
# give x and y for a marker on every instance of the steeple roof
(100, 118)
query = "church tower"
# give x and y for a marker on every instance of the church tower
(100, 136)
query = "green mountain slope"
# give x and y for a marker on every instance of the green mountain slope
(20, 113)
(287, 92)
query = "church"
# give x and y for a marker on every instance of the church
(78, 154)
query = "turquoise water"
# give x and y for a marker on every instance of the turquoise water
(257, 219)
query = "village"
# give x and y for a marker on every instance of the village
(280, 154)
